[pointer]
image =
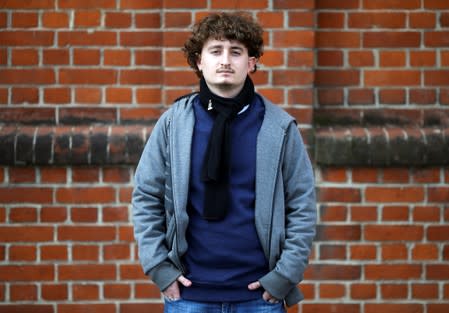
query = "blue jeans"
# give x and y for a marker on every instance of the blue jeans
(253, 306)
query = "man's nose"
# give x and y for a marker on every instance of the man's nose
(225, 58)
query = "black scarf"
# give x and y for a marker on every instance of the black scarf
(215, 170)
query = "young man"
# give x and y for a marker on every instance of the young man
(224, 205)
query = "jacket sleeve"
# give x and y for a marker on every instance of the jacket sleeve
(300, 219)
(148, 211)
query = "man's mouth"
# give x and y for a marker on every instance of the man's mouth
(225, 71)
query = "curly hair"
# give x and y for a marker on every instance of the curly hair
(231, 26)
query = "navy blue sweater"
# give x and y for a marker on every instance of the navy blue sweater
(225, 256)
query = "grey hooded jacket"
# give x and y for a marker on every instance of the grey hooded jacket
(285, 208)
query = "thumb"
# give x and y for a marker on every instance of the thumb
(184, 281)
(254, 286)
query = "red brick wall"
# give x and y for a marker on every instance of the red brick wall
(82, 81)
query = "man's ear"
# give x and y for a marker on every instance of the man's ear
(198, 61)
(252, 61)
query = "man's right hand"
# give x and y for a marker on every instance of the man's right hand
(172, 292)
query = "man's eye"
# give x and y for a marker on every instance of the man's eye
(236, 52)
(215, 52)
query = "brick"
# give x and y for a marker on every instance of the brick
(149, 21)
(330, 58)
(141, 77)
(424, 291)
(330, 308)
(140, 39)
(27, 76)
(337, 77)
(88, 95)
(272, 58)
(438, 233)
(392, 58)
(393, 291)
(117, 57)
(148, 95)
(84, 214)
(394, 307)
(422, 58)
(332, 252)
(363, 291)
(333, 213)
(119, 95)
(24, 57)
(178, 19)
(393, 271)
(392, 96)
(331, 194)
(396, 175)
(361, 58)
(436, 4)
(330, 4)
(57, 95)
(85, 38)
(335, 39)
(51, 19)
(393, 232)
(426, 214)
(444, 19)
(361, 96)
(388, 20)
(422, 20)
(425, 252)
(437, 307)
(331, 20)
(22, 292)
(301, 19)
(56, 56)
(86, 233)
(26, 194)
(394, 252)
(87, 76)
(87, 18)
(23, 215)
(270, 19)
(295, 96)
(140, 4)
(391, 39)
(395, 213)
(116, 291)
(132, 271)
(86, 57)
(293, 4)
(22, 253)
(16, 273)
(25, 95)
(22, 174)
(115, 214)
(392, 78)
(54, 292)
(53, 214)
(116, 252)
(363, 213)
(332, 291)
(437, 271)
(239, 4)
(27, 38)
(363, 252)
(180, 78)
(436, 78)
(28, 5)
(141, 307)
(76, 115)
(300, 59)
(91, 307)
(86, 252)
(86, 4)
(85, 291)
(338, 232)
(146, 290)
(24, 308)
(388, 4)
(436, 39)
(87, 272)
(54, 253)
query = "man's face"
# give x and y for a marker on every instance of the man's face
(225, 65)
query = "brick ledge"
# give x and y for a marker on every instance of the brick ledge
(77, 145)
(382, 146)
